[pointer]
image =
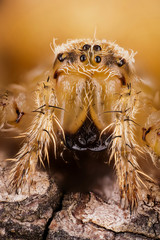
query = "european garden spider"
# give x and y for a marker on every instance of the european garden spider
(91, 100)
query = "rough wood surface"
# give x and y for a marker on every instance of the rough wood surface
(50, 214)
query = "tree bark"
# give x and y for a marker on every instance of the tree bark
(48, 213)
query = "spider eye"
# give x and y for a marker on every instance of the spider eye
(86, 47)
(97, 48)
(60, 57)
(97, 59)
(83, 58)
(121, 62)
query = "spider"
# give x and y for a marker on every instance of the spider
(91, 100)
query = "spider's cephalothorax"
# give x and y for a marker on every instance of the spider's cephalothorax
(91, 100)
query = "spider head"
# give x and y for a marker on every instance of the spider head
(90, 76)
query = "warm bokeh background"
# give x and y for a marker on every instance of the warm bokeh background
(28, 26)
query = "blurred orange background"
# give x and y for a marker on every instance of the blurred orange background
(28, 27)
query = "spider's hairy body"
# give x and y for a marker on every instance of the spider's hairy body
(93, 81)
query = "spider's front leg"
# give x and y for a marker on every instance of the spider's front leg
(38, 137)
(125, 149)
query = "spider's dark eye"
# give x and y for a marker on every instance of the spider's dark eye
(83, 58)
(121, 62)
(86, 47)
(60, 57)
(97, 48)
(97, 59)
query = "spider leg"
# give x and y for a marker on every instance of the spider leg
(151, 136)
(126, 165)
(38, 137)
(15, 108)
(126, 150)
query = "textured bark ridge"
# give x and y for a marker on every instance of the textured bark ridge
(50, 214)
(24, 215)
(85, 216)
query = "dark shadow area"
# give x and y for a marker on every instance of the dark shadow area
(81, 171)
